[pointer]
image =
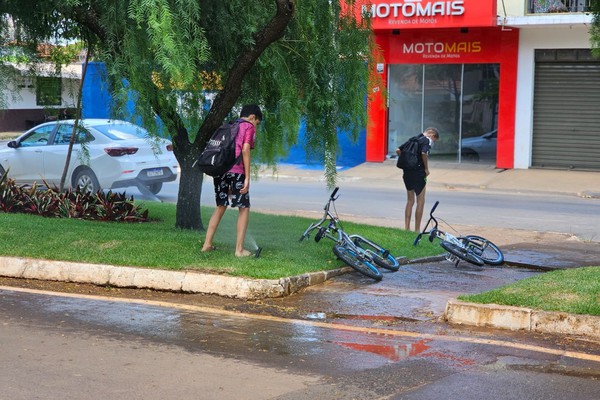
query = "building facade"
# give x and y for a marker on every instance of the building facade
(511, 83)
(35, 94)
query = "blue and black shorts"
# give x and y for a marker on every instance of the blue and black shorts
(227, 190)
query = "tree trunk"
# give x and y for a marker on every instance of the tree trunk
(188, 199)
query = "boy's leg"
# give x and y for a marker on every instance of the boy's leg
(419, 210)
(215, 219)
(242, 226)
(410, 201)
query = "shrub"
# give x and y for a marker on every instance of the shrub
(77, 203)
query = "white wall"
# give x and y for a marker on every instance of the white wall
(513, 8)
(25, 98)
(530, 39)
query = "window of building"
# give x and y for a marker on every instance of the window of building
(48, 91)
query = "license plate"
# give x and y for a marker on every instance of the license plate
(155, 172)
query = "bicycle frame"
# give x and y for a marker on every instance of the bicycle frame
(333, 230)
(435, 232)
(356, 251)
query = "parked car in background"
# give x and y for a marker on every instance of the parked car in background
(480, 148)
(107, 154)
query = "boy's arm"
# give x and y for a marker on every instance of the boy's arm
(425, 163)
(246, 162)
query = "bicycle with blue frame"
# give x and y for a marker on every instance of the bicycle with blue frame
(356, 251)
(474, 249)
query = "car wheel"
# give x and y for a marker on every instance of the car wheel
(87, 179)
(469, 155)
(154, 188)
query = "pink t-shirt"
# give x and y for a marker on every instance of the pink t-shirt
(246, 134)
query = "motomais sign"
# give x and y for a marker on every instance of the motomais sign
(415, 14)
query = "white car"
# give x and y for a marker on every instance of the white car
(107, 154)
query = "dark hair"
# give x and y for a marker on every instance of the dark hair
(250, 109)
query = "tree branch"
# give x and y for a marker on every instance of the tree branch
(232, 87)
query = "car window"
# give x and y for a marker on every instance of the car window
(64, 131)
(37, 137)
(122, 131)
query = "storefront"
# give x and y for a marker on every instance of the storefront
(449, 65)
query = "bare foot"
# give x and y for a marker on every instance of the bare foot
(208, 248)
(243, 253)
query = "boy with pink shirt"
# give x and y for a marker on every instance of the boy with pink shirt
(234, 185)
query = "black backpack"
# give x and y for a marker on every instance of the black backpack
(218, 157)
(410, 154)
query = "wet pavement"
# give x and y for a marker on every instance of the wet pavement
(416, 293)
(549, 256)
(77, 347)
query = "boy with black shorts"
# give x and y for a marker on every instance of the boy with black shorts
(416, 179)
(233, 187)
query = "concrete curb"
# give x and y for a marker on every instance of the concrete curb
(143, 278)
(521, 318)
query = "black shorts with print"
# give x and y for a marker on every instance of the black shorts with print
(228, 186)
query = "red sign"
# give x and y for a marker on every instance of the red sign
(451, 47)
(419, 14)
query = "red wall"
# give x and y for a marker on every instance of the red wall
(448, 46)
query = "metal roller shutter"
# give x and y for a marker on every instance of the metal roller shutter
(566, 122)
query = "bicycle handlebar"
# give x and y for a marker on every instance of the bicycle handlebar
(332, 197)
(433, 208)
(431, 219)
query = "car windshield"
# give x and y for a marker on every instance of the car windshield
(122, 131)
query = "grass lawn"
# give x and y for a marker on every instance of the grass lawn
(159, 244)
(575, 291)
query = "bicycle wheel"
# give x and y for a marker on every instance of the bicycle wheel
(381, 256)
(486, 250)
(462, 253)
(352, 259)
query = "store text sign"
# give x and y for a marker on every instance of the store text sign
(418, 14)
(443, 46)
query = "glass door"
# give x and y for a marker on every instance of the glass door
(461, 100)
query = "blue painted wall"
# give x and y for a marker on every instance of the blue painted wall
(96, 101)
(350, 153)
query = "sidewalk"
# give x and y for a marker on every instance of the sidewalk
(465, 176)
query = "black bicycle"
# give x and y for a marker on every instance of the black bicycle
(474, 249)
(358, 252)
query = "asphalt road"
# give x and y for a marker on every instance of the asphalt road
(58, 347)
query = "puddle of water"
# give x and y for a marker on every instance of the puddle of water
(393, 352)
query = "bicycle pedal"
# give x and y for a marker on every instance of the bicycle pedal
(452, 258)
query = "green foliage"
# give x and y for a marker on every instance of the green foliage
(595, 28)
(194, 62)
(77, 203)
